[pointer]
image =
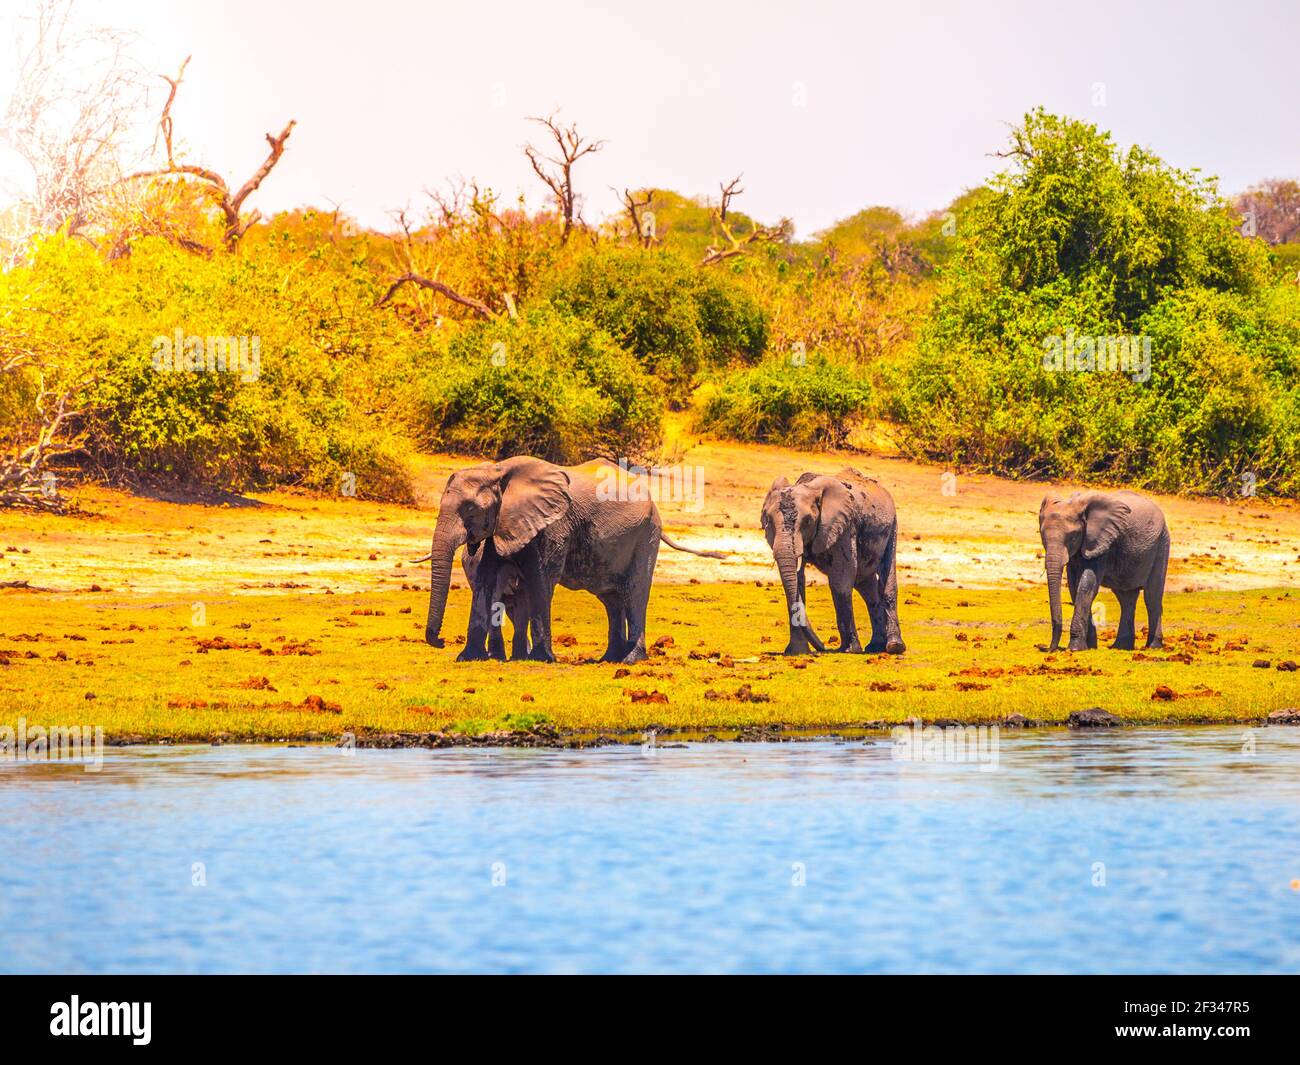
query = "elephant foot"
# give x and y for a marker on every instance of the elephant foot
(853, 648)
(1155, 645)
(541, 654)
(612, 655)
(637, 654)
(1078, 645)
(434, 640)
(794, 648)
(895, 647)
(1122, 645)
(469, 654)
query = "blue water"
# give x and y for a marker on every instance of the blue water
(318, 860)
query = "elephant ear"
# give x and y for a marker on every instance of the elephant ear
(837, 513)
(1107, 520)
(534, 494)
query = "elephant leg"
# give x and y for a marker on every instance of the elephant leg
(636, 600)
(1125, 635)
(478, 636)
(540, 589)
(845, 622)
(842, 596)
(869, 590)
(888, 580)
(496, 643)
(1081, 623)
(616, 645)
(1153, 595)
(518, 611)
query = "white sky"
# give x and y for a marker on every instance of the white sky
(826, 107)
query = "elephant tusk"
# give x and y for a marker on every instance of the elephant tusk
(417, 561)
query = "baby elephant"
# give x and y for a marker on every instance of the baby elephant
(1115, 540)
(844, 525)
(509, 599)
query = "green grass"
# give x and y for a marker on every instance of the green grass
(135, 666)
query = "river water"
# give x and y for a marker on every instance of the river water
(1150, 850)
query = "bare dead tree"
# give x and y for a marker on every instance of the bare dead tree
(230, 204)
(726, 244)
(26, 479)
(1272, 208)
(643, 229)
(571, 146)
(74, 98)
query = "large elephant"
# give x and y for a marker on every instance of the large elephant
(557, 525)
(1115, 540)
(846, 526)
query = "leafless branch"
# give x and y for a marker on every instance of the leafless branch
(231, 205)
(76, 92)
(726, 244)
(643, 228)
(558, 175)
(480, 309)
(25, 478)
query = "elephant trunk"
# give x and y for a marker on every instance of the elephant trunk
(448, 535)
(789, 562)
(1056, 558)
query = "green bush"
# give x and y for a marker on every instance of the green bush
(676, 318)
(294, 415)
(811, 406)
(1082, 241)
(549, 384)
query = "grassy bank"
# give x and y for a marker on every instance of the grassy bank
(299, 664)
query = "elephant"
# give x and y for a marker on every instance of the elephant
(508, 591)
(847, 527)
(1116, 540)
(556, 525)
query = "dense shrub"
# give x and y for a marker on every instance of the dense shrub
(550, 384)
(814, 406)
(1082, 241)
(676, 318)
(292, 416)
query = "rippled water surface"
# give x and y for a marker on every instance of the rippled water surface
(1134, 850)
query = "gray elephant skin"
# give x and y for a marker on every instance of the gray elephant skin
(846, 525)
(556, 525)
(506, 596)
(1115, 540)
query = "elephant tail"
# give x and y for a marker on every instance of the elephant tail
(689, 550)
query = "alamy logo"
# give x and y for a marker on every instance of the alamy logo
(195, 354)
(953, 744)
(68, 743)
(662, 484)
(1086, 354)
(102, 1018)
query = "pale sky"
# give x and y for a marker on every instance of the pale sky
(825, 107)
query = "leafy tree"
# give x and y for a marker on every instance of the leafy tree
(1080, 238)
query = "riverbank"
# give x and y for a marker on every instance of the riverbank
(303, 666)
(286, 616)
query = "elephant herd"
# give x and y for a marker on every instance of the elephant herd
(528, 525)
